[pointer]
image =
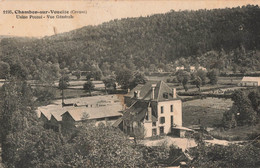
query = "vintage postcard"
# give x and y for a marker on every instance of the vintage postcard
(129, 83)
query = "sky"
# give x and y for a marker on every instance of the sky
(97, 13)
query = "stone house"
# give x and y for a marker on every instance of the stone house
(154, 107)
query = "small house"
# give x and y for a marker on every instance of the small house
(249, 81)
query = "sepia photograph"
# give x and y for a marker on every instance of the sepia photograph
(130, 83)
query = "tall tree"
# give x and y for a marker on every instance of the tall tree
(242, 108)
(198, 82)
(183, 77)
(63, 84)
(202, 74)
(88, 86)
(213, 77)
(124, 77)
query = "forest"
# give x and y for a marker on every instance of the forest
(223, 39)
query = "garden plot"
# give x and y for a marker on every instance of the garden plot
(207, 112)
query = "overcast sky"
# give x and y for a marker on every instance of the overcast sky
(97, 13)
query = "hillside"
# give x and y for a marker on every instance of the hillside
(229, 38)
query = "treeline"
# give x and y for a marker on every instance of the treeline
(225, 39)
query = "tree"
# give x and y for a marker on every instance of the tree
(139, 78)
(229, 119)
(198, 82)
(253, 97)
(77, 74)
(106, 147)
(18, 70)
(44, 94)
(213, 77)
(63, 84)
(88, 87)
(109, 82)
(36, 147)
(242, 109)
(202, 74)
(124, 78)
(183, 77)
(233, 156)
(4, 70)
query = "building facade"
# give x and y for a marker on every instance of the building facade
(154, 107)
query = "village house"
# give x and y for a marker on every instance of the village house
(191, 68)
(249, 81)
(154, 107)
(179, 68)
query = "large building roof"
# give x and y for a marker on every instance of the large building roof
(98, 107)
(161, 88)
(81, 113)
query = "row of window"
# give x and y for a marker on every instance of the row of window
(162, 110)
(162, 121)
(154, 131)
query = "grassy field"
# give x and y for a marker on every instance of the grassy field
(238, 133)
(209, 111)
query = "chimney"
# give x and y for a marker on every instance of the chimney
(137, 94)
(174, 93)
(149, 113)
(153, 87)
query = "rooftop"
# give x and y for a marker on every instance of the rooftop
(160, 89)
(251, 79)
(98, 107)
(79, 113)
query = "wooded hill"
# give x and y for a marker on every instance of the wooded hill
(219, 38)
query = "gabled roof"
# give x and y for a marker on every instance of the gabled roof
(146, 90)
(251, 79)
(78, 113)
(56, 116)
(137, 111)
(103, 102)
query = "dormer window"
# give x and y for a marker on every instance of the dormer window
(135, 94)
(165, 95)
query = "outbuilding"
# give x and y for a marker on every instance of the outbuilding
(249, 81)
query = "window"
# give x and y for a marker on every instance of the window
(161, 109)
(162, 120)
(154, 124)
(161, 130)
(165, 95)
(171, 120)
(154, 132)
(171, 108)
